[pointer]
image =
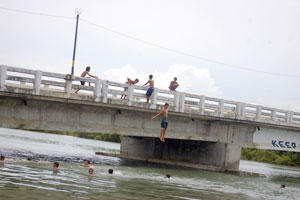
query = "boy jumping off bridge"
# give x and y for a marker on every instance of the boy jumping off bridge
(86, 72)
(164, 121)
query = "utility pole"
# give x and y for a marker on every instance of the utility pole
(77, 12)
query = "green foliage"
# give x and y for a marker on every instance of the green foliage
(94, 136)
(271, 156)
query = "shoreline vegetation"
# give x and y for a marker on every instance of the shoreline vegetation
(258, 155)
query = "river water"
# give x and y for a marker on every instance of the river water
(21, 179)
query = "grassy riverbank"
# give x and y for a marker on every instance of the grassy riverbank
(273, 157)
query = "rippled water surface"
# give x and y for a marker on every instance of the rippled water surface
(20, 179)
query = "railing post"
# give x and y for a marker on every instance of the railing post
(104, 91)
(288, 117)
(97, 90)
(130, 94)
(258, 112)
(221, 108)
(273, 116)
(240, 110)
(181, 102)
(176, 101)
(202, 105)
(37, 82)
(3, 70)
(153, 102)
(68, 88)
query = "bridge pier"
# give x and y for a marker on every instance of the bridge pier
(214, 156)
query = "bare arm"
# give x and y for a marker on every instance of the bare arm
(146, 83)
(157, 114)
(92, 76)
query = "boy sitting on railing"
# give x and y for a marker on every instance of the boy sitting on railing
(86, 72)
(129, 82)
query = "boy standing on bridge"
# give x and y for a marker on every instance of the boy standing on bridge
(129, 82)
(150, 89)
(86, 72)
(164, 121)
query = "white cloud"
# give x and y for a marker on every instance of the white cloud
(190, 78)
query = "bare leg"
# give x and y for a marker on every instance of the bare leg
(163, 134)
(148, 98)
(76, 92)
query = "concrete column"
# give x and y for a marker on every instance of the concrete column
(130, 94)
(181, 102)
(3, 70)
(196, 154)
(37, 82)
(104, 91)
(176, 101)
(97, 90)
(202, 105)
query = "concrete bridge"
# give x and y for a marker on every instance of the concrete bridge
(204, 132)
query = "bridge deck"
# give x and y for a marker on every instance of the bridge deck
(31, 82)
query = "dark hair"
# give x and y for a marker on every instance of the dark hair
(166, 104)
(89, 162)
(136, 80)
(29, 159)
(88, 68)
(56, 163)
(150, 76)
(283, 186)
(175, 78)
(110, 171)
(91, 169)
(2, 156)
(168, 176)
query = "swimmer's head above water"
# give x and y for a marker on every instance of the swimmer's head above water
(91, 170)
(86, 163)
(110, 171)
(167, 176)
(55, 165)
(2, 158)
(29, 159)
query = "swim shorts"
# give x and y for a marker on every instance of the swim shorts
(149, 92)
(164, 123)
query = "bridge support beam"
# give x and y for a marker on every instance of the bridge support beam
(214, 156)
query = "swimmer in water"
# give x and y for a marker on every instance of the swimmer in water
(164, 121)
(167, 176)
(55, 165)
(29, 159)
(86, 163)
(2, 158)
(110, 171)
(91, 170)
(282, 186)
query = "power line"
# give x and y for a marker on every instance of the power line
(187, 54)
(154, 44)
(35, 13)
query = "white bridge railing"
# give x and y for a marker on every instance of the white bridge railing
(19, 80)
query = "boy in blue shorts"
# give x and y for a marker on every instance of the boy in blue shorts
(164, 121)
(150, 89)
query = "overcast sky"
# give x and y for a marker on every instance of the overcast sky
(256, 34)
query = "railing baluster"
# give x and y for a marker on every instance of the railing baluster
(97, 90)
(176, 101)
(130, 94)
(202, 105)
(37, 82)
(104, 91)
(3, 70)
(182, 102)
(221, 108)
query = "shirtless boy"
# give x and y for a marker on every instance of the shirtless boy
(150, 89)
(129, 82)
(164, 121)
(173, 84)
(86, 72)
